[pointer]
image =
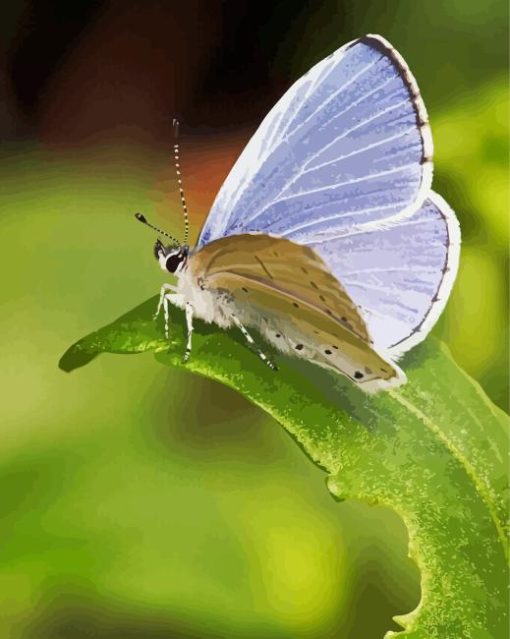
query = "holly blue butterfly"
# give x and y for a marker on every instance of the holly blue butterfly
(325, 237)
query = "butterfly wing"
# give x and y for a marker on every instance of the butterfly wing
(401, 275)
(342, 163)
(348, 144)
(286, 291)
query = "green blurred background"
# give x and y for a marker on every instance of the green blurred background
(138, 502)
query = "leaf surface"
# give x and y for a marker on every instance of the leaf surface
(434, 450)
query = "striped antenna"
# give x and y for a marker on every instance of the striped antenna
(179, 180)
(141, 218)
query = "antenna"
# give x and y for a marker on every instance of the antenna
(179, 181)
(141, 218)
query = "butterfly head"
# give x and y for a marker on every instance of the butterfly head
(173, 256)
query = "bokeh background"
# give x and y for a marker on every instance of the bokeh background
(139, 502)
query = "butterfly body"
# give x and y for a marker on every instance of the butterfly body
(325, 237)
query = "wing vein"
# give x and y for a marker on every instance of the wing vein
(393, 269)
(363, 178)
(362, 150)
(369, 227)
(338, 216)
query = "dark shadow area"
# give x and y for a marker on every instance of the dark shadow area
(74, 358)
(222, 424)
(71, 615)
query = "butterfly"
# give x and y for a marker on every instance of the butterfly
(326, 237)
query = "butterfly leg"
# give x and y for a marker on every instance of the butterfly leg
(189, 325)
(164, 290)
(177, 300)
(251, 341)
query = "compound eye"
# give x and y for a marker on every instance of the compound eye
(173, 262)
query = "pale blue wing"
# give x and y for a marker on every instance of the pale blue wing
(348, 144)
(400, 274)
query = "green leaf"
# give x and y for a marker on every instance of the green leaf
(434, 450)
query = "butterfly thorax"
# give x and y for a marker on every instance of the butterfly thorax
(209, 304)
